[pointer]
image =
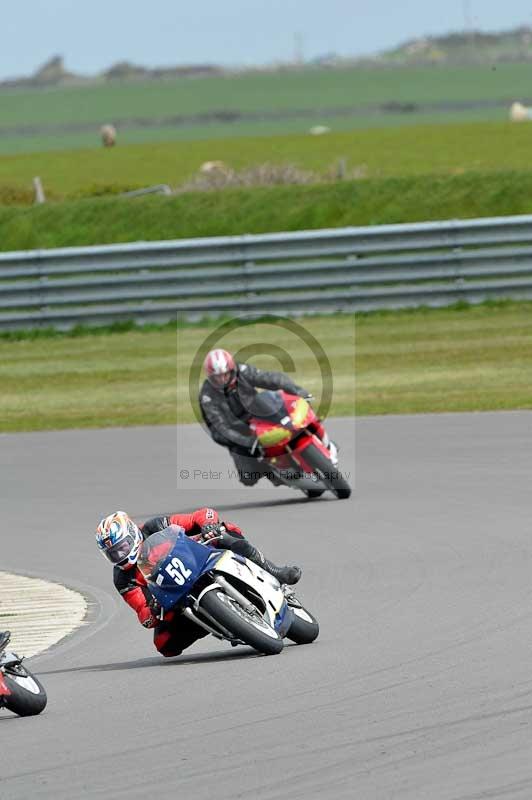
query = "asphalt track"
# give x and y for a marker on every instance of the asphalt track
(420, 685)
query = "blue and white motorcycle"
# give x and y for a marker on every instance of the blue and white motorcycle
(222, 592)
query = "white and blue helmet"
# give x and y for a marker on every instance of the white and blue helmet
(119, 539)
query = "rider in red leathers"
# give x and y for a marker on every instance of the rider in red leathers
(119, 539)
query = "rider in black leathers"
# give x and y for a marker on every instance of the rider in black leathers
(225, 404)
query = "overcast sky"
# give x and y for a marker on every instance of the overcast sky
(93, 34)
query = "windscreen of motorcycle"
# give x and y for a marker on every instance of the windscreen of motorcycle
(171, 563)
(267, 405)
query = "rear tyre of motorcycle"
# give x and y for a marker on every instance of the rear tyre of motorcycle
(329, 474)
(304, 628)
(313, 494)
(27, 697)
(252, 630)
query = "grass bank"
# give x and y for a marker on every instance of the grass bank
(265, 209)
(417, 361)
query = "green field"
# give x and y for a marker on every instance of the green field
(375, 153)
(422, 361)
(49, 141)
(32, 120)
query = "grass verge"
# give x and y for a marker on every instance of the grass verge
(461, 359)
(265, 209)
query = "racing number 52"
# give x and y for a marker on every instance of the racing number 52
(177, 570)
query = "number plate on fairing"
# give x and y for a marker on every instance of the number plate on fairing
(171, 562)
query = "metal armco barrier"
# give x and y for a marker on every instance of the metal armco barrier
(324, 271)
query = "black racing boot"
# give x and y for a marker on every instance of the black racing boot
(287, 575)
(248, 478)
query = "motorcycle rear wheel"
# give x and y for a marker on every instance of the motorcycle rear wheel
(253, 630)
(329, 474)
(304, 628)
(313, 494)
(27, 697)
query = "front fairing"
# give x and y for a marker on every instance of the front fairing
(290, 415)
(172, 563)
(278, 612)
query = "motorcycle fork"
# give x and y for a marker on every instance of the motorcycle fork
(190, 614)
(203, 618)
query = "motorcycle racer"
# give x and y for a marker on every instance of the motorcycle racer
(119, 539)
(225, 400)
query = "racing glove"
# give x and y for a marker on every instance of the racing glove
(147, 618)
(211, 533)
(155, 607)
(300, 391)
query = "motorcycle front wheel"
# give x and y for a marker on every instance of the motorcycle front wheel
(304, 627)
(328, 473)
(251, 629)
(27, 695)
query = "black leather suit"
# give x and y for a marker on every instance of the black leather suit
(226, 411)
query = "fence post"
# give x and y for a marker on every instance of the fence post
(39, 191)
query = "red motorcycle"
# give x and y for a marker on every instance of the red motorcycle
(284, 425)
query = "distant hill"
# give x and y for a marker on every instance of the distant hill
(471, 47)
(53, 73)
(124, 70)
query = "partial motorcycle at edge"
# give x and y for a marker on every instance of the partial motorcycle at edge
(20, 691)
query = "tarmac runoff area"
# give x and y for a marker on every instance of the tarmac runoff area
(38, 613)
